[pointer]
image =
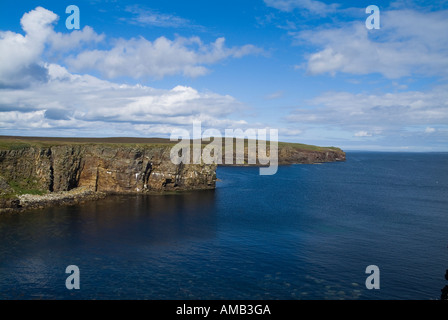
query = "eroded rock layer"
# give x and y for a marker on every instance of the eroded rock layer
(103, 168)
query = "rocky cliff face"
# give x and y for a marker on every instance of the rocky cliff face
(69, 171)
(102, 168)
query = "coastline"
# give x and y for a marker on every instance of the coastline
(79, 195)
(41, 172)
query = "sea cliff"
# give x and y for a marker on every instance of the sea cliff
(44, 171)
(96, 169)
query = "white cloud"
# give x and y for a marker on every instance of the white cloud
(289, 132)
(363, 134)
(37, 24)
(148, 17)
(140, 58)
(275, 95)
(408, 42)
(21, 55)
(430, 130)
(313, 6)
(375, 114)
(63, 42)
(84, 103)
(38, 97)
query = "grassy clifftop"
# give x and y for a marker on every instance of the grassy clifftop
(16, 142)
(307, 147)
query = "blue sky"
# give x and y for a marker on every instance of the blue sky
(310, 69)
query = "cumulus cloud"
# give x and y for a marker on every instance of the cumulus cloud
(64, 42)
(84, 103)
(409, 42)
(36, 95)
(21, 55)
(139, 57)
(37, 24)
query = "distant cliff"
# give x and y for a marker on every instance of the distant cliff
(295, 153)
(291, 153)
(70, 170)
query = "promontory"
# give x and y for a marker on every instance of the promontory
(35, 172)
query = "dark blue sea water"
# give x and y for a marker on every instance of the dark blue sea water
(308, 232)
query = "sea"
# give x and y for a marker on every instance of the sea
(309, 232)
